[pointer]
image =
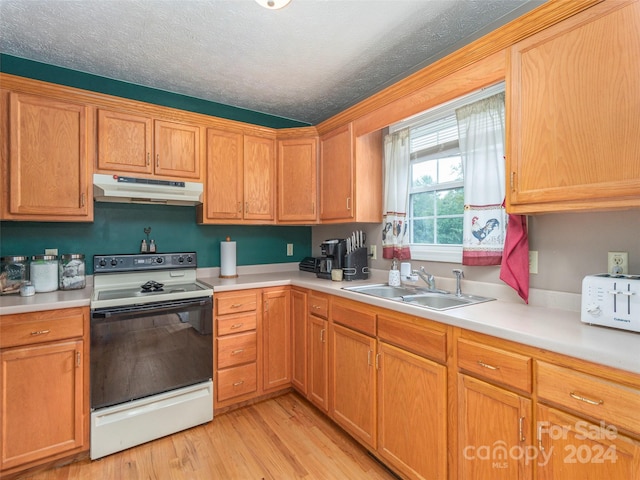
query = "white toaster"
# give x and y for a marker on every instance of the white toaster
(611, 301)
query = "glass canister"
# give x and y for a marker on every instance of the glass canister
(72, 274)
(44, 272)
(14, 270)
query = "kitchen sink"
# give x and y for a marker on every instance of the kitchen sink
(433, 299)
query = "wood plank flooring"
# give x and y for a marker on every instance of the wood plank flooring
(281, 438)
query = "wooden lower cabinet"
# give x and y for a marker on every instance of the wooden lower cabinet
(276, 338)
(299, 340)
(494, 433)
(353, 383)
(412, 413)
(571, 448)
(318, 358)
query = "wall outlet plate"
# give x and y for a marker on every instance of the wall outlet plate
(533, 261)
(373, 252)
(289, 249)
(617, 263)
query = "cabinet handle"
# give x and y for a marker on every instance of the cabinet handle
(486, 365)
(246, 207)
(322, 335)
(236, 352)
(236, 325)
(540, 446)
(77, 359)
(315, 307)
(313, 207)
(148, 159)
(585, 399)
(82, 199)
(348, 203)
(236, 305)
(521, 428)
(239, 207)
(158, 160)
(266, 306)
(369, 357)
(40, 332)
(377, 361)
(237, 384)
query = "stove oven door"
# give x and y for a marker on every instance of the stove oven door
(142, 350)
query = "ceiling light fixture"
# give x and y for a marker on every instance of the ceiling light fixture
(273, 4)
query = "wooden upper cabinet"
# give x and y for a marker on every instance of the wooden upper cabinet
(241, 178)
(350, 176)
(574, 113)
(124, 142)
(297, 180)
(138, 144)
(47, 172)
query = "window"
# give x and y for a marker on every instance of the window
(436, 193)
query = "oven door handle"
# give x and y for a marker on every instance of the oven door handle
(164, 307)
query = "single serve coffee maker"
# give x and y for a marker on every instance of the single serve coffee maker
(333, 252)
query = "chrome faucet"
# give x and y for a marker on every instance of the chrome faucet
(427, 277)
(459, 275)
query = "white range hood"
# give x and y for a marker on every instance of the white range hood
(121, 189)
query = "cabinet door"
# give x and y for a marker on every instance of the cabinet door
(336, 175)
(570, 448)
(574, 112)
(412, 413)
(41, 401)
(259, 178)
(177, 149)
(299, 340)
(353, 383)
(494, 430)
(48, 162)
(297, 174)
(276, 334)
(124, 142)
(223, 196)
(318, 392)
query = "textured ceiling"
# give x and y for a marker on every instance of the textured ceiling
(306, 62)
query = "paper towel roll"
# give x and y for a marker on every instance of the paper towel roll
(228, 259)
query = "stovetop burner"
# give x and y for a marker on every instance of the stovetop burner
(152, 286)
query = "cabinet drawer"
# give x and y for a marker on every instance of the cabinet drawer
(354, 315)
(39, 327)
(236, 349)
(592, 396)
(406, 332)
(236, 302)
(495, 364)
(236, 381)
(235, 323)
(318, 306)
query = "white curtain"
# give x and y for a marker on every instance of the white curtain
(481, 135)
(395, 241)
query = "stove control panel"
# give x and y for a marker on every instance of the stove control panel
(141, 262)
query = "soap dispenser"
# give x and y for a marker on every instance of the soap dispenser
(394, 274)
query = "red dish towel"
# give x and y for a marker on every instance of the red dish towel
(514, 270)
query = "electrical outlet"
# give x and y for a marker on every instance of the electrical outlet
(373, 252)
(51, 251)
(289, 249)
(533, 261)
(617, 262)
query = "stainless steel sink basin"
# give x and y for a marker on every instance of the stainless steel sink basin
(435, 300)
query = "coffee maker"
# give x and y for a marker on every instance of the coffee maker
(333, 252)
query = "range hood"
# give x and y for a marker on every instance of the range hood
(116, 188)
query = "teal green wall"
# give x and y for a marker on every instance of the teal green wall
(72, 78)
(118, 228)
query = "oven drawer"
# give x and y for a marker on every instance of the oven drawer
(230, 324)
(237, 349)
(39, 327)
(236, 381)
(589, 395)
(236, 302)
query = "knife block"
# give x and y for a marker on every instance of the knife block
(356, 265)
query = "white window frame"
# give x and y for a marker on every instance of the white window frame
(443, 253)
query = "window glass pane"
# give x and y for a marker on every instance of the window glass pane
(450, 169)
(424, 173)
(422, 204)
(450, 231)
(422, 231)
(451, 202)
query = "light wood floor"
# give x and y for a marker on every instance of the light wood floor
(281, 438)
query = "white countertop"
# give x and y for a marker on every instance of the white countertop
(552, 329)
